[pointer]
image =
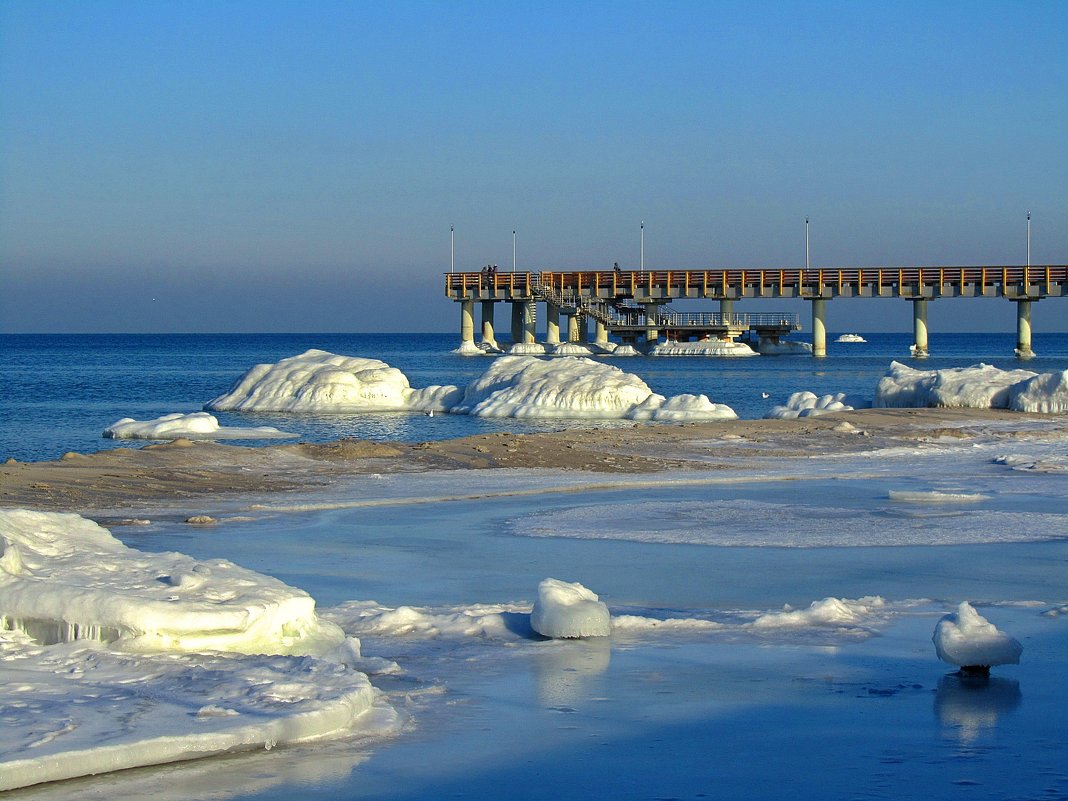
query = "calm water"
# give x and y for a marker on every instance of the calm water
(61, 391)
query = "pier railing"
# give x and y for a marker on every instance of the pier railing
(914, 282)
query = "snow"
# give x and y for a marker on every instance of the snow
(828, 612)
(571, 349)
(968, 639)
(121, 659)
(934, 496)
(317, 381)
(808, 404)
(1046, 393)
(708, 347)
(519, 387)
(784, 348)
(527, 349)
(980, 386)
(568, 610)
(851, 338)
(513, 386)
(198, 425)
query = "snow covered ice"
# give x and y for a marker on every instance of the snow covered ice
(121, 658)
(808, 404)
(978, 387)
(569, 610)
(969, 640)
(197, 425)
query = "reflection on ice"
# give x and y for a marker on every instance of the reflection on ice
(565, 670)
(969, 705)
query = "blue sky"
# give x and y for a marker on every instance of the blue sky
(285, 166)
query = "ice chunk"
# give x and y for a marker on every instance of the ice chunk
(198, 425)
(707, 347)
(63, 577)
(565, 610)
(1046, 393)
(317, 381)
(969, 640)
(978, 387)
(828, 612)
(808, 404)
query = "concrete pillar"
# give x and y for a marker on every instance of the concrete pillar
(726, 309)
(487, 324)
(584, 328)
(552, 324)
(517, 321)
(467, 322)
(819, 327)
(652, 311)
(600, 333)
(919, 328)
(572, 328)
(530, 321)
(1023, 330)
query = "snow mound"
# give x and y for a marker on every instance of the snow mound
(571, 349)
(317, 381)
(520, 387)
(566, 610)
(527, 349)
(708, 347)
(836, 612)
(968, 639)
(64, 578)
(808, 404)
(198, 425)
(980, 386)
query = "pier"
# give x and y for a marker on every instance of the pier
(635, 304)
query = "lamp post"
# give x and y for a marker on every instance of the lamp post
(642, 260)
(1028, 238)
(452, 249)
(513, 250)
(806, 244)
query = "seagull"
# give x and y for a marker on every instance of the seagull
(765, 395)
(430, 413)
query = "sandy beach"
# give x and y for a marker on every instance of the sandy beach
(124, 478)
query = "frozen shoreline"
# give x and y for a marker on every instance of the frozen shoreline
(187, 471)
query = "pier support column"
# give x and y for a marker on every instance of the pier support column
(487, 324)
(1023, 330)
(652, 313)
(600, 336)
(584, 328)
(517, 321)
(552, 324)
(530, 321)
(819, 327)
(919, 328)
(573, 327)
(726, 310)
(467, 323)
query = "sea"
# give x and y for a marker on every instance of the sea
(772, 622)
(60, 391)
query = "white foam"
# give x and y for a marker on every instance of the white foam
(566, 610)
(198, 425)
(967, 639)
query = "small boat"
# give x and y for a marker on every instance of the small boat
(851, 338)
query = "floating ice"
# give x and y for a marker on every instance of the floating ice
(851, 338)
(969, 640)
(707, 347)
(317, 381)
(565, 610)
(978, 387)
(786, 347)
(836, 612)
(934, 496)
(198, 425)
(808, 404)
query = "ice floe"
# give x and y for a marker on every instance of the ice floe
(934, 496)
(980, 386)
(566, 610)
(122, 658)
(828, 612)
(969, 640)
(851, 338)
(318, 381)
(808, 404)
(198, 425)
(705, 347)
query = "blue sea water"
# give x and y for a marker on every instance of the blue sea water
(60, 391)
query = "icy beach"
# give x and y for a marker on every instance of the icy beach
(771, 586)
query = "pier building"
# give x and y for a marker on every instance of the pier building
(634, 305)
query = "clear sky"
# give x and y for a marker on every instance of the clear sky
(290, 166)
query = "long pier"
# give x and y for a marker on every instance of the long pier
(632, 302)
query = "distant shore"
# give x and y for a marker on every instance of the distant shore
(203, 472)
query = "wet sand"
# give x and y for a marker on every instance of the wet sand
(125, 478)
